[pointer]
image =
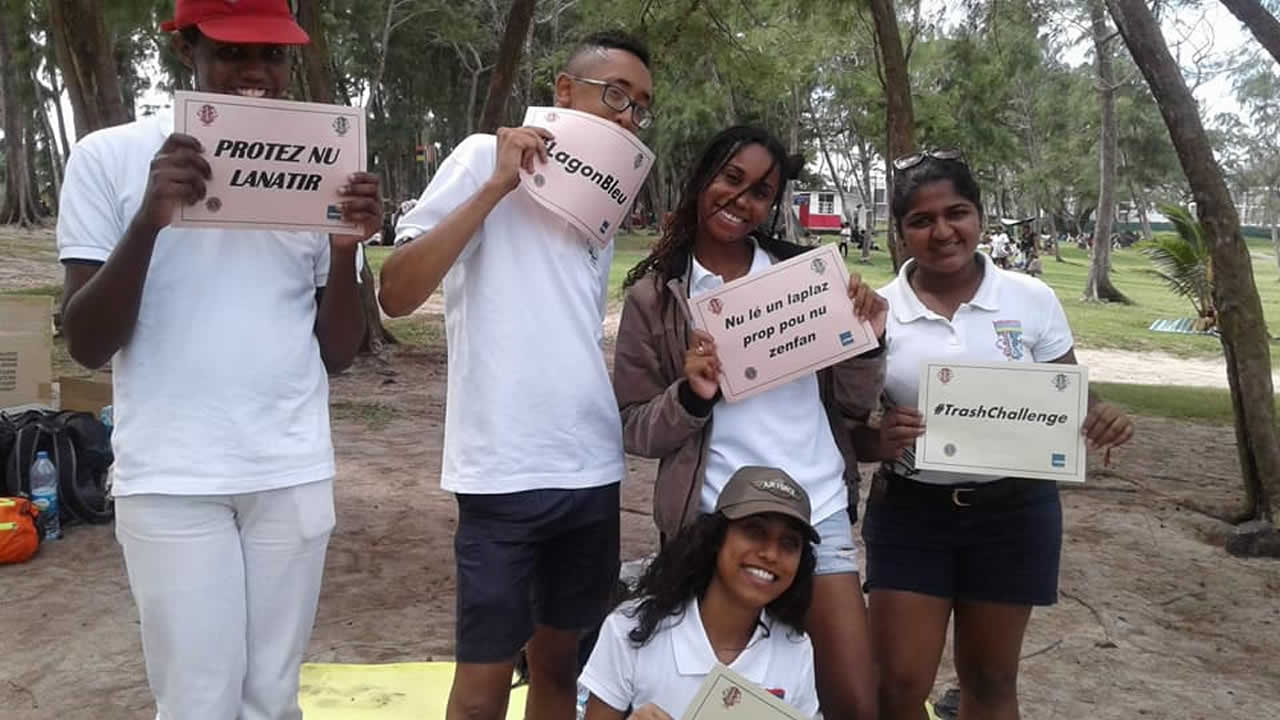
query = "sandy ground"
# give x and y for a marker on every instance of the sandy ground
(1155, 620)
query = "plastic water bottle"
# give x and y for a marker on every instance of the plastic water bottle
(44, 494)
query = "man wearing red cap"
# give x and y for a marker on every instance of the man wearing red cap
(219, 342)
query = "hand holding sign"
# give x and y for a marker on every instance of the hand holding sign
(702, 366)
(899, 428)
(177, 178)
(867, 304)
(361, 204)
(517, 148)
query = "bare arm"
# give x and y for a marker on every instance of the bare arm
(415, 269)
(340, 324)
(100, 302)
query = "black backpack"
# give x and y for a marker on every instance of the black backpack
(78, 445)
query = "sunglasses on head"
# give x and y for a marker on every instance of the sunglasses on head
(906, 162)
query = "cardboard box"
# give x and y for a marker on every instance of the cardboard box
(26, 352)
(83, 394)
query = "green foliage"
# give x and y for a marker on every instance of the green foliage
(1182, 260)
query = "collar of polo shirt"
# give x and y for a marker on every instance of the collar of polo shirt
(692, 648)
(985, 298)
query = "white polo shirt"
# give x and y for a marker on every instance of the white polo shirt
(669, 669)
(220, 388)
(784, 427)
(529, 402)
(1012, 317)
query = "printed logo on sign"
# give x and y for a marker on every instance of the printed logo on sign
(1009, 338)
(731, 696)
(213, 204)
(333, 213)
(750, 373)
(1061, 381)
(715, 306)
(604, 226)
(341, 125)
(207, 114)
(1059, 460)
(639, 161)
(945, 375)
(846, 338)
(538, 180)
(818, 266)
(949, 450)
(552, 117)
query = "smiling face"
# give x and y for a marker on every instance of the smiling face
(236, 69)
(941, 228)
(739, 197)
(759, 558)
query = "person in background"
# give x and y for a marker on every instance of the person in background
(846, 235)
(667, 379)
(532, 438)
(220, 343)
(983, 550)
(733, 588)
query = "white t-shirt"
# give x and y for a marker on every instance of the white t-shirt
(669, 669)
(1011, 317)
(529, 405)
(221, 388)
(784, 427)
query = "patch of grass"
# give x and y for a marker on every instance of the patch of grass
(1096, 325)
(1196, 404)
(376, 255)
(418, 330)
(375, 415)
(53, 291)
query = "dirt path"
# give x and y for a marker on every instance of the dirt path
(1155, 619)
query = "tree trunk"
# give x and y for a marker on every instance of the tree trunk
(1275, 239)
(900, 116)
(17, 206)
(504, 72)
(1264, 26)
(317, 69)
(1099, 287)
(1239, 310)
(897, 255)
(84, 51)
(791, 222)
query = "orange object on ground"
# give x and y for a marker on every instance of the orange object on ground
(19, 538)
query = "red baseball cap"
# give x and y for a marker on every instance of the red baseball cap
(267, 22)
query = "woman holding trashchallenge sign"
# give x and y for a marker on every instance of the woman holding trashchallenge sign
(666, 377)
(985, 549)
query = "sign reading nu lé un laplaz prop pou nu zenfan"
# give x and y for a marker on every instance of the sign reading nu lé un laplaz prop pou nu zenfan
(774, 326)
(276, 164)
(593, 171)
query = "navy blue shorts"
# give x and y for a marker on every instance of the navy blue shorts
(997, 542)
(540, 557)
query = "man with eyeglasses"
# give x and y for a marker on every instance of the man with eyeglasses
(532, 439)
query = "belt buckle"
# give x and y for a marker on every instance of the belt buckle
(956, 497)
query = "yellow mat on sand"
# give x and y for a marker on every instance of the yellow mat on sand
(401, 691)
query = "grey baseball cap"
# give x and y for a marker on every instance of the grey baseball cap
(754, 490)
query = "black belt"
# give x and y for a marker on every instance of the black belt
(1003, 492)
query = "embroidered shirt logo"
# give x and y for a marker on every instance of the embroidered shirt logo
(1009, 338)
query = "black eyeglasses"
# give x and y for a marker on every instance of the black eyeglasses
(906, 162)
(618, 100)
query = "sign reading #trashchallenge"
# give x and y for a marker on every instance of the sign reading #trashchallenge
(776, 325)
(276, 164)
(1015, 419)
(593, 171)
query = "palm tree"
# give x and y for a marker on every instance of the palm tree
(1183, 262)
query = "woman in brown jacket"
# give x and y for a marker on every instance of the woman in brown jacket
(666, 380)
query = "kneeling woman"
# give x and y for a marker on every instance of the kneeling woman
(666, 377)
(732, 588)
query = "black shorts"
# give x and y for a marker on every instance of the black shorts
(540, 557)
(998, 542)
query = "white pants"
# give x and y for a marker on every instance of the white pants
(226, 587)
